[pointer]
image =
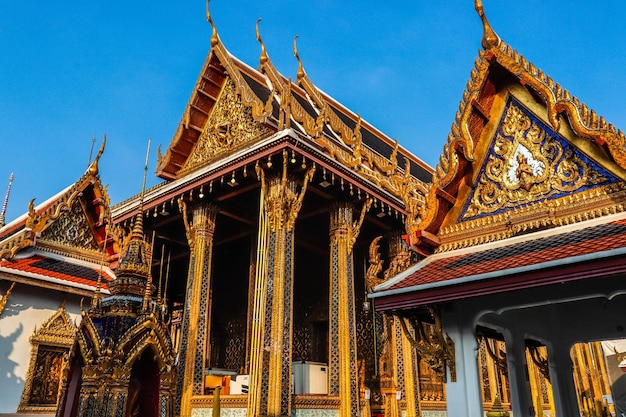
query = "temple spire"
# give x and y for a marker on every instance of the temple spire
(138, 234)
(490, 38)
(6, 201)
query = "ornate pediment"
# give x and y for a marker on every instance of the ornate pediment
(72, 229)
(229, 127)
(58, 330)
(528, 163)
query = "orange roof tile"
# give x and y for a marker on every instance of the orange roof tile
(53, 268)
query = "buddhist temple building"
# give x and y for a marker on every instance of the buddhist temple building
(51, 259)
(296, 261)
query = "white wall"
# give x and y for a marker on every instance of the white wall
(26, 308)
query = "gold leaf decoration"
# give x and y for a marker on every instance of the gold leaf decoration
(229, 126)
(528, 163)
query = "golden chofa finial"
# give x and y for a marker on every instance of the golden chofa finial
(214, 39)
(490, 38)
(93, 168)
(295, 53)
(263, 59)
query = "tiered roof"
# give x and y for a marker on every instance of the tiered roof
(276, 104)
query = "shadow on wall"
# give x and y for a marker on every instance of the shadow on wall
(12, 385)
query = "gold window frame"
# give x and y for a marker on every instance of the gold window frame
(56, 334)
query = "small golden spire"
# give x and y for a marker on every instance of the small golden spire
(301, 72)
(264, 58)
(93, 168)
(214, 38)
(490, 38)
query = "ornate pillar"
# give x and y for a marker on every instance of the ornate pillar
(342, 319)
(272, 330)
(197, 314)
(103, 391)
(166, 402)
(407, 372)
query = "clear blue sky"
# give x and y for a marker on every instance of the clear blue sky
(75, 69)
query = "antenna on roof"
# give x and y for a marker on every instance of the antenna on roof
(6, 201)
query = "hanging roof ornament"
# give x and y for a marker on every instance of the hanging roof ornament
(490, 38)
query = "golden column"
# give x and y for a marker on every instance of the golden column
(407, 373)
(272, 328)
(196, 326)
(342, 319)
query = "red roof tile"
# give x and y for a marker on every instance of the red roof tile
(585, 241)
(53, 268)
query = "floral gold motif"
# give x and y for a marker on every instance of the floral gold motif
(527, 165)
(229, 126)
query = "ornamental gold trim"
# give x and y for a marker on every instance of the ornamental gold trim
(5, 298)
(527, 164)
(229, 126)
(58, 334)
(584, 122)
(570, 209)
(431, 344)
(37, 223)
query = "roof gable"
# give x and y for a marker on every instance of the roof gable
(528, 163)
(229, 126)
(481, 192)
(72, 223)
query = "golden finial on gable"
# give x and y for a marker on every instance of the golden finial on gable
(264, 58)
(93, 168)
(214, 38)
(490, 38)
(295, 53)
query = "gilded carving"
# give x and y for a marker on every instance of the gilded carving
(229, 126)
(528, 164)
(375, 266)
(72, 229)
(283, 200)
(49, 354)
(431, 345)
(5, 298)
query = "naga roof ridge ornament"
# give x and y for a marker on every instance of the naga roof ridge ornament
(263, 59)
(215, 39)
(490, 38)
(93, 167)
(301, 73)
